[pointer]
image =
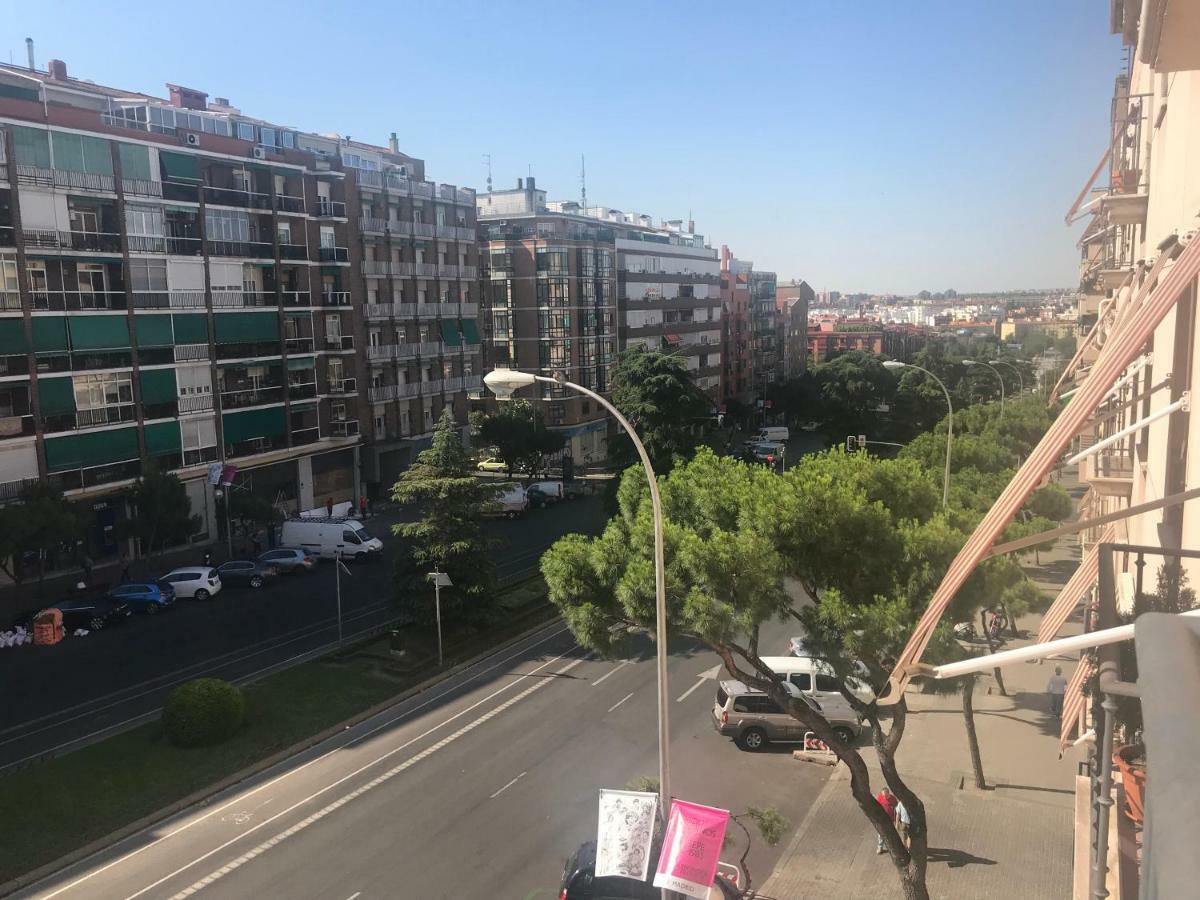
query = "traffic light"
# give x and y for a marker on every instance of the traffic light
(850, 443)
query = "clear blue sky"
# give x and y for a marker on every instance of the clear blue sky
(876, 146)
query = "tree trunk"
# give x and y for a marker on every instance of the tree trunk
(1012, 622)
(968, 700)
(987, 636)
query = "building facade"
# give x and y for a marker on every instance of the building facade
(767, 331)
(737, 370)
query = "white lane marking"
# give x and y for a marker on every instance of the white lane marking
(347, 798)
(240, 797)
(708, 675)
(354, 895)
(507, 786)
(619, 702)
(611, 672)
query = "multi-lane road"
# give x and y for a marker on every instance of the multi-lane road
(477, 788)
(55, 696)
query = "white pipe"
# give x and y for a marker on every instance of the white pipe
(1136, 367)
(1032, 651)
(1181, 403)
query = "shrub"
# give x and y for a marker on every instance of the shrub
(204, 711)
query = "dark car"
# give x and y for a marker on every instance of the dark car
(539, 499)
(92, 614)
(288, 560)
(578, 882)
(144, 597)
(246, 572)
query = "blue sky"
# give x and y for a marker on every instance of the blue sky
(864, 147)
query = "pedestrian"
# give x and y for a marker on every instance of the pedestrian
(87, 568)
(208, 557)
(362, 507)
(124, 569)
(1056, 687)
(902, 824)
(329, 507)
(256, 541)
(887, 800)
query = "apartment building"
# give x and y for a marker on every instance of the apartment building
(766, 331)
(829, 335)
(794, 300)
(549, 285)
(183, 285)
(737, 344)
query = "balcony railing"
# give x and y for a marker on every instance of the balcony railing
(303, 344)
(76, 181)
(195, 404)
(335, 298)
(368, 179)
(185, 299)
(227, 299)
(16, 426)
(380, 310)
(257, 396)
(392, 351)
(398, 183)
(248, 249)
(403, 229)
(472, 382)
(11, 490)
(343, 428)
(184, 246)
(465, 196)
(303, 390)
(334, 254)
(10, 300)
(428, 310)
(286, 203)
(307, 435)
(402, 269)
(343, 386)
(339, 342)
(423, 189)
(376, 267)
(77, 300)
(454, 383)
(430, 348)
(297, 298)
(329, 209)
(95, 241)
(448, 232)
(190, 352)
(422, 230)
(468, 310)
(371, 225)
(465, 233)
(382, 393)
(293, 251)
(425, 270)
(142, 187)
(235, 197)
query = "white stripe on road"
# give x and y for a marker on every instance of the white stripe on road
(619, 702)
(611, 672)
(699, 683)
(353, 795)
(507, 786)
(241, 797)
(354, 895)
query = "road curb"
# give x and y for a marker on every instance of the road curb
(198, 797)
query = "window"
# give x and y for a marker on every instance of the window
(587, 261)
(828, 684)
(553, 292)
(428, 419)
(501, 260)
(755, 704)
(552, 259)
(8, 276)
(284, 230)
(380, 424)
(102, 390)
(801, 680)
(327, 237)
(267, 136)
(554, 323)
(501, 289)
(289, 139)
(245, 131)
(145, 220)
(333, 326)
(243, 180)
(227, 225)
(501, 325)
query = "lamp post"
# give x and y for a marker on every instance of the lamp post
(440, 580)
(503, 382)
(895, 365)
(994, 371)
(1020, 380)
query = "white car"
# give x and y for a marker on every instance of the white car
(193, 582)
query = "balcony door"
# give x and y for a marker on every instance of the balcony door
(93, 286)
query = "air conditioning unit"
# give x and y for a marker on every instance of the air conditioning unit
(193, 140)
(258, 152)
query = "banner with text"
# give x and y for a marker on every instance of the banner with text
(691, 848)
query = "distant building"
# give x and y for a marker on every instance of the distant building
(830, 335)
(737, 370)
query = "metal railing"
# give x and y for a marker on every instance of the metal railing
(299, 344)
(339, 342)
(343, 427)
(465, 196)
(392, 351)
(16, 426)
(256, 396)
(142, 187)
(425, 270)
(335, 298)
(334, 254)
(422, 229)
(423, 189)
(10, 300)
(77, 300)
(297, 298)
(60, 178)
(185, 299)
(293, 251)
(468, 310)
(12, 490)
(330, 209)
(376, 267)
(400, 184)
(195, 403)
(96, 241)
(447, 232)
(345, 386)
(249, 249)
(235, 197)
(191, 352)
(302, 390)
(286, 203)
(371, 225)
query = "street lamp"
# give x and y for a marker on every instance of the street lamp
(502, 383)
(996, 372)
(440, 580)
(895, 365)
(1020, 380)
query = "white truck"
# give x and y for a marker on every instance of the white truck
(330, 537)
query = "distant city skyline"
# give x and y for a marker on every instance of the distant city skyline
(887, 150)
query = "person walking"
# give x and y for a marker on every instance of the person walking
(1056, 687)
(87, 569)
(329, 507)
(887, 800)
(362, 507)
(902, 824)
(208, 557)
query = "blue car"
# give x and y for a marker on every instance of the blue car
(144, 597)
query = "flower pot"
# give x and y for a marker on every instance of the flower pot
(1130, 761)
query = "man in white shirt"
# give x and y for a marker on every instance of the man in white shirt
(1056, 687)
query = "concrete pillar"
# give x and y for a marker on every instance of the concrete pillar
(304, 481)
(358, 483)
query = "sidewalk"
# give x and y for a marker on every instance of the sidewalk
(1013, 840)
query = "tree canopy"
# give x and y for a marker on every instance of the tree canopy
(518, 432)
(41, 524)
(853, 386)
(162, 512)
(655, 391)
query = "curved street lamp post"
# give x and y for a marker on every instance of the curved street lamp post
(895, 365)
(993, 370)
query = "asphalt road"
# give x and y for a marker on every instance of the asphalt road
(478, 788)
(56, 696)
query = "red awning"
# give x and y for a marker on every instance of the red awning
(1074, 701)
(1073, 591)
(1154, 299)
(673, 339)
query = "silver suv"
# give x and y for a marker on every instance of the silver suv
(754, 720)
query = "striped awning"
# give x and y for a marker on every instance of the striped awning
(1073, 591)
(1074, 701)
(1155, 297)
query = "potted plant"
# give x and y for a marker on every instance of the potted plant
(1130, 760)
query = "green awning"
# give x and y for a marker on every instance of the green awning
(246, 328)
(300, 363)
(179, 166)
(99, 332)
(32, 146)
(254, 423)
(91, 448)
(56, 396)
(153, 330)
(12, 336)
(12, 92)
(470, 331)
(49, 334)
(450, 333)
(81, 153)
(135, 161)
(190, 329)
(158, 385)
(329, 270)
(162, 438)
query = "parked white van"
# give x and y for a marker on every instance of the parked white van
(816, 680)
(511, 501)
(329, 537)
(774, 433)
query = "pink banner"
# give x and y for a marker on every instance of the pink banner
(691, 848)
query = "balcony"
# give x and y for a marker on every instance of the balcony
(465, 197)
(425, 270)
(392, 351)
(403, 229)
(447, 232)
(185, 299)
(368, 179)
(342, 386)
(243, 299)
(335, 298)
(329, 209)
(468, 271)
(1110, 472)
(422, 230)
(334, 254)
(10, 300)
(403, 269)
(235, 197)
(397, 183)
(430, 348)
(339, 343)
(468, 310)
(184, 246)
(302, 390)
(255, 396)
(445, 192)
(299, 345)
(309, 435)
(422, 189)
(376, 268)
(195, 404)
(371, 225)
(447, 270)
(288, 204)
(71, 301)
(94, 241)
(343, 428)
(58, 178)
(465, 233)
(383, 393)
(297, 298)
(16, 426)
(141, 187)
(247, 249)
(191, 352)
(293, 251)
(428, 310)
(377, 311)
(12, 490)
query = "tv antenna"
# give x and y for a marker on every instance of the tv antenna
(583, 182)
(487, 160)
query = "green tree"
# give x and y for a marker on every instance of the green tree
(449, 535)
(853, 386)
(655, 391)
(518, 432)
(161, 514)
(40, 525)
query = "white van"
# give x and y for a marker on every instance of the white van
(329, 537)
(774, 433)
(511, 500)
(816, 680)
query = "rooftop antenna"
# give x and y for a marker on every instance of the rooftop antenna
(582, 181)
(29, 50)
(529, 169)
(487, 159)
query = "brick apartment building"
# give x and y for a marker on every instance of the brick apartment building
(831, 335)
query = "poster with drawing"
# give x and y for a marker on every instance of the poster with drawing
(625, 833)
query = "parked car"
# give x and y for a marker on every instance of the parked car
(579, 882)
(289, 560)
(769, 453)
(193, 582)
(552, 491)
(511, 501)
(816, 679)
(492, 464)
(246, 571)
(753, 719)
(144, 597)
(331, 537)
(774, 433)
(93, 614)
